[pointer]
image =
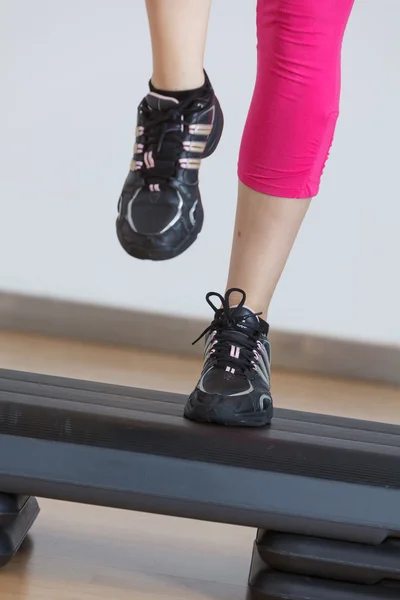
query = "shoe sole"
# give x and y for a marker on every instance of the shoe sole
(168, 253)
(224, 416)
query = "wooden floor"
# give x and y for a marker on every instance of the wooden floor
(81, 553)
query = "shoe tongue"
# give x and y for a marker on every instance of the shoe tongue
(246, 321)
(245, 317)
(158, 102)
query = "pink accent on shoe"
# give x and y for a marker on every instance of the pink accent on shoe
(136, 165)
(235, 351)
(230, 370)
(161, 97)
(148, 159)
(200, 129)
(194, 146)
(190, 163)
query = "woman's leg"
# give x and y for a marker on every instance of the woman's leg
(285, 144)
(265, 230)
(287, 137)
(178, 31)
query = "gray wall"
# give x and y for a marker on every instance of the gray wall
(72, 74)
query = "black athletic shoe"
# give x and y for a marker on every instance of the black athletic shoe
(160, 210)
(234, 387)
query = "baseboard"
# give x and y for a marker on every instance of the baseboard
(300, 352)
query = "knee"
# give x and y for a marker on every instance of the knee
(299, 49)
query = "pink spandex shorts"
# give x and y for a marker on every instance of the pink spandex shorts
(295, 105)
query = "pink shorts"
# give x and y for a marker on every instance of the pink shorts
(292, 118)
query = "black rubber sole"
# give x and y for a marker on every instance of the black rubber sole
(226, 416)
(154, 254)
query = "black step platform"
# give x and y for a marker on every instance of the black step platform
(116, 446)
(17, 515)
(323, 491)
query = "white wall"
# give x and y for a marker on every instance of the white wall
(72, 74)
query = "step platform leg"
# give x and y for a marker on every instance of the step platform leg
(310, 568)
(17, 515)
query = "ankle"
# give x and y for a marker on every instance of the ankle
(177, 82)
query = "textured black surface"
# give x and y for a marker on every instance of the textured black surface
(13, 534)
(112, 445)
(151, 422)
(281, 586)
(331, 559)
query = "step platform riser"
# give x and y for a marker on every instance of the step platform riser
(18, 516)
(280, 586)
(310, 568)
(331, 559)
(10, 506)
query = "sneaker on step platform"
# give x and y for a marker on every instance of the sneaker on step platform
(160, 209)
(234, 387)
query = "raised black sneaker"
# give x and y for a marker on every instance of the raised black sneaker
(160, 209)
(234, 387)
